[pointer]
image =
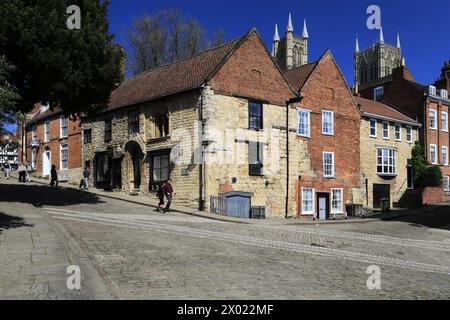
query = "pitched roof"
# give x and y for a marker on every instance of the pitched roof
(376, 108)
(176, 77)
(297, 77)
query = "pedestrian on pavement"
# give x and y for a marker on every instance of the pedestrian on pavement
(22, 170)
(86, 175)
(54, 177)
(28, 171)
(6, 169)
(168, 190)
(160, 196)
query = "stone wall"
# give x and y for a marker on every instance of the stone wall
(183, 113)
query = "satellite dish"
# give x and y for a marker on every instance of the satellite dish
(175, 154)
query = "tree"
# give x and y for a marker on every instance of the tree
(8, 94)
(419, 161)
(166, 36)
(424, 175)
(73, 69)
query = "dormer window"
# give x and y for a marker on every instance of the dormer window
(444, 94)
(44, 107)
(378, 93)
(432, 90)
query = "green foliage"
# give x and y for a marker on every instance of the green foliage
(74, 69)
(8, 94)
(420, 162)
(424, 175)
(431, 177)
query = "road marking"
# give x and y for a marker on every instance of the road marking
(280, 245)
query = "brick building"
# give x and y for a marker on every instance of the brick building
(429, 105)
(387, 138)
(52, 138)
(216, 123)
(328, 128)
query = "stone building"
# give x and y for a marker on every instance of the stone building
(327, 126)
(216, 123)
(429, 105)
(374, 64)
(387, 138)
(292, 50)
(53, 138)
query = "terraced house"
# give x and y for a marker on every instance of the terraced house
(218, 123)
(430, 105)
(387, 139)
(53, 138)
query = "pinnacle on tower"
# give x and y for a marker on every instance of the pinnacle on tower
(381, 36)
(276, 37)
(398, 41)
(305, 30)
(290, 27)
(357, 45)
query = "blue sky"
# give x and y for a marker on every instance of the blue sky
(423, 25)
(331, 24)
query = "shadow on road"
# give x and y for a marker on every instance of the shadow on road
(437, 217)
(39, 196)
(10, 222)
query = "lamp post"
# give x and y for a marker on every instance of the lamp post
(290, 101)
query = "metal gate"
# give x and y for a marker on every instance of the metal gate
(232, 204)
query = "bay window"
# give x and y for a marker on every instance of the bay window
(386, 161)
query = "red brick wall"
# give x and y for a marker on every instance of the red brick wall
(431, 196)
(327, 90)
(251, 72)
(73, 141)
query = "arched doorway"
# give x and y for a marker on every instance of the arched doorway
(135, 158)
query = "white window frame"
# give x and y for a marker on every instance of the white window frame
(308, 213)
(410, 138)
(435, 161)
(446, 183)
(370, 128)
(433, 111)
(341, 210)
(47, 131)
(332, 122)
(332, 165)
(432, 90)
(308, 112)
(388, 130)
(444, 125)
(61, 127)
(376, 92)
(400, 132)
(444, 160)
(389, 165)
(444, 94)
(63, 147)
(34, 133)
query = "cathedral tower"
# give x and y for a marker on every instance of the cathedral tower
(376, 62)
(292, 50)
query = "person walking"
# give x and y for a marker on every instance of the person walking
(160, 196)
(85, 181)
(6, 169)
(22, 170)
(54, 177)
(28, 171)
(168, 191)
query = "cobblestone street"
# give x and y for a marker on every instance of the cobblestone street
(133, 252)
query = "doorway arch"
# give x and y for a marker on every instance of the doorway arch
(135, 156)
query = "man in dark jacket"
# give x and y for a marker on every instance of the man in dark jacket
(54, 176)
(168, 191)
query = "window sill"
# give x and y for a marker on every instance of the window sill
(303, 136)
(328, 134)
(307, 213)
(154, 140)
(329, 177)
(391, 175)
(373, 137)
(258, 130)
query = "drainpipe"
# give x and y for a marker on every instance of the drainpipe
(201, 200)
(288, 106)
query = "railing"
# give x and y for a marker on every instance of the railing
(218, 205)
